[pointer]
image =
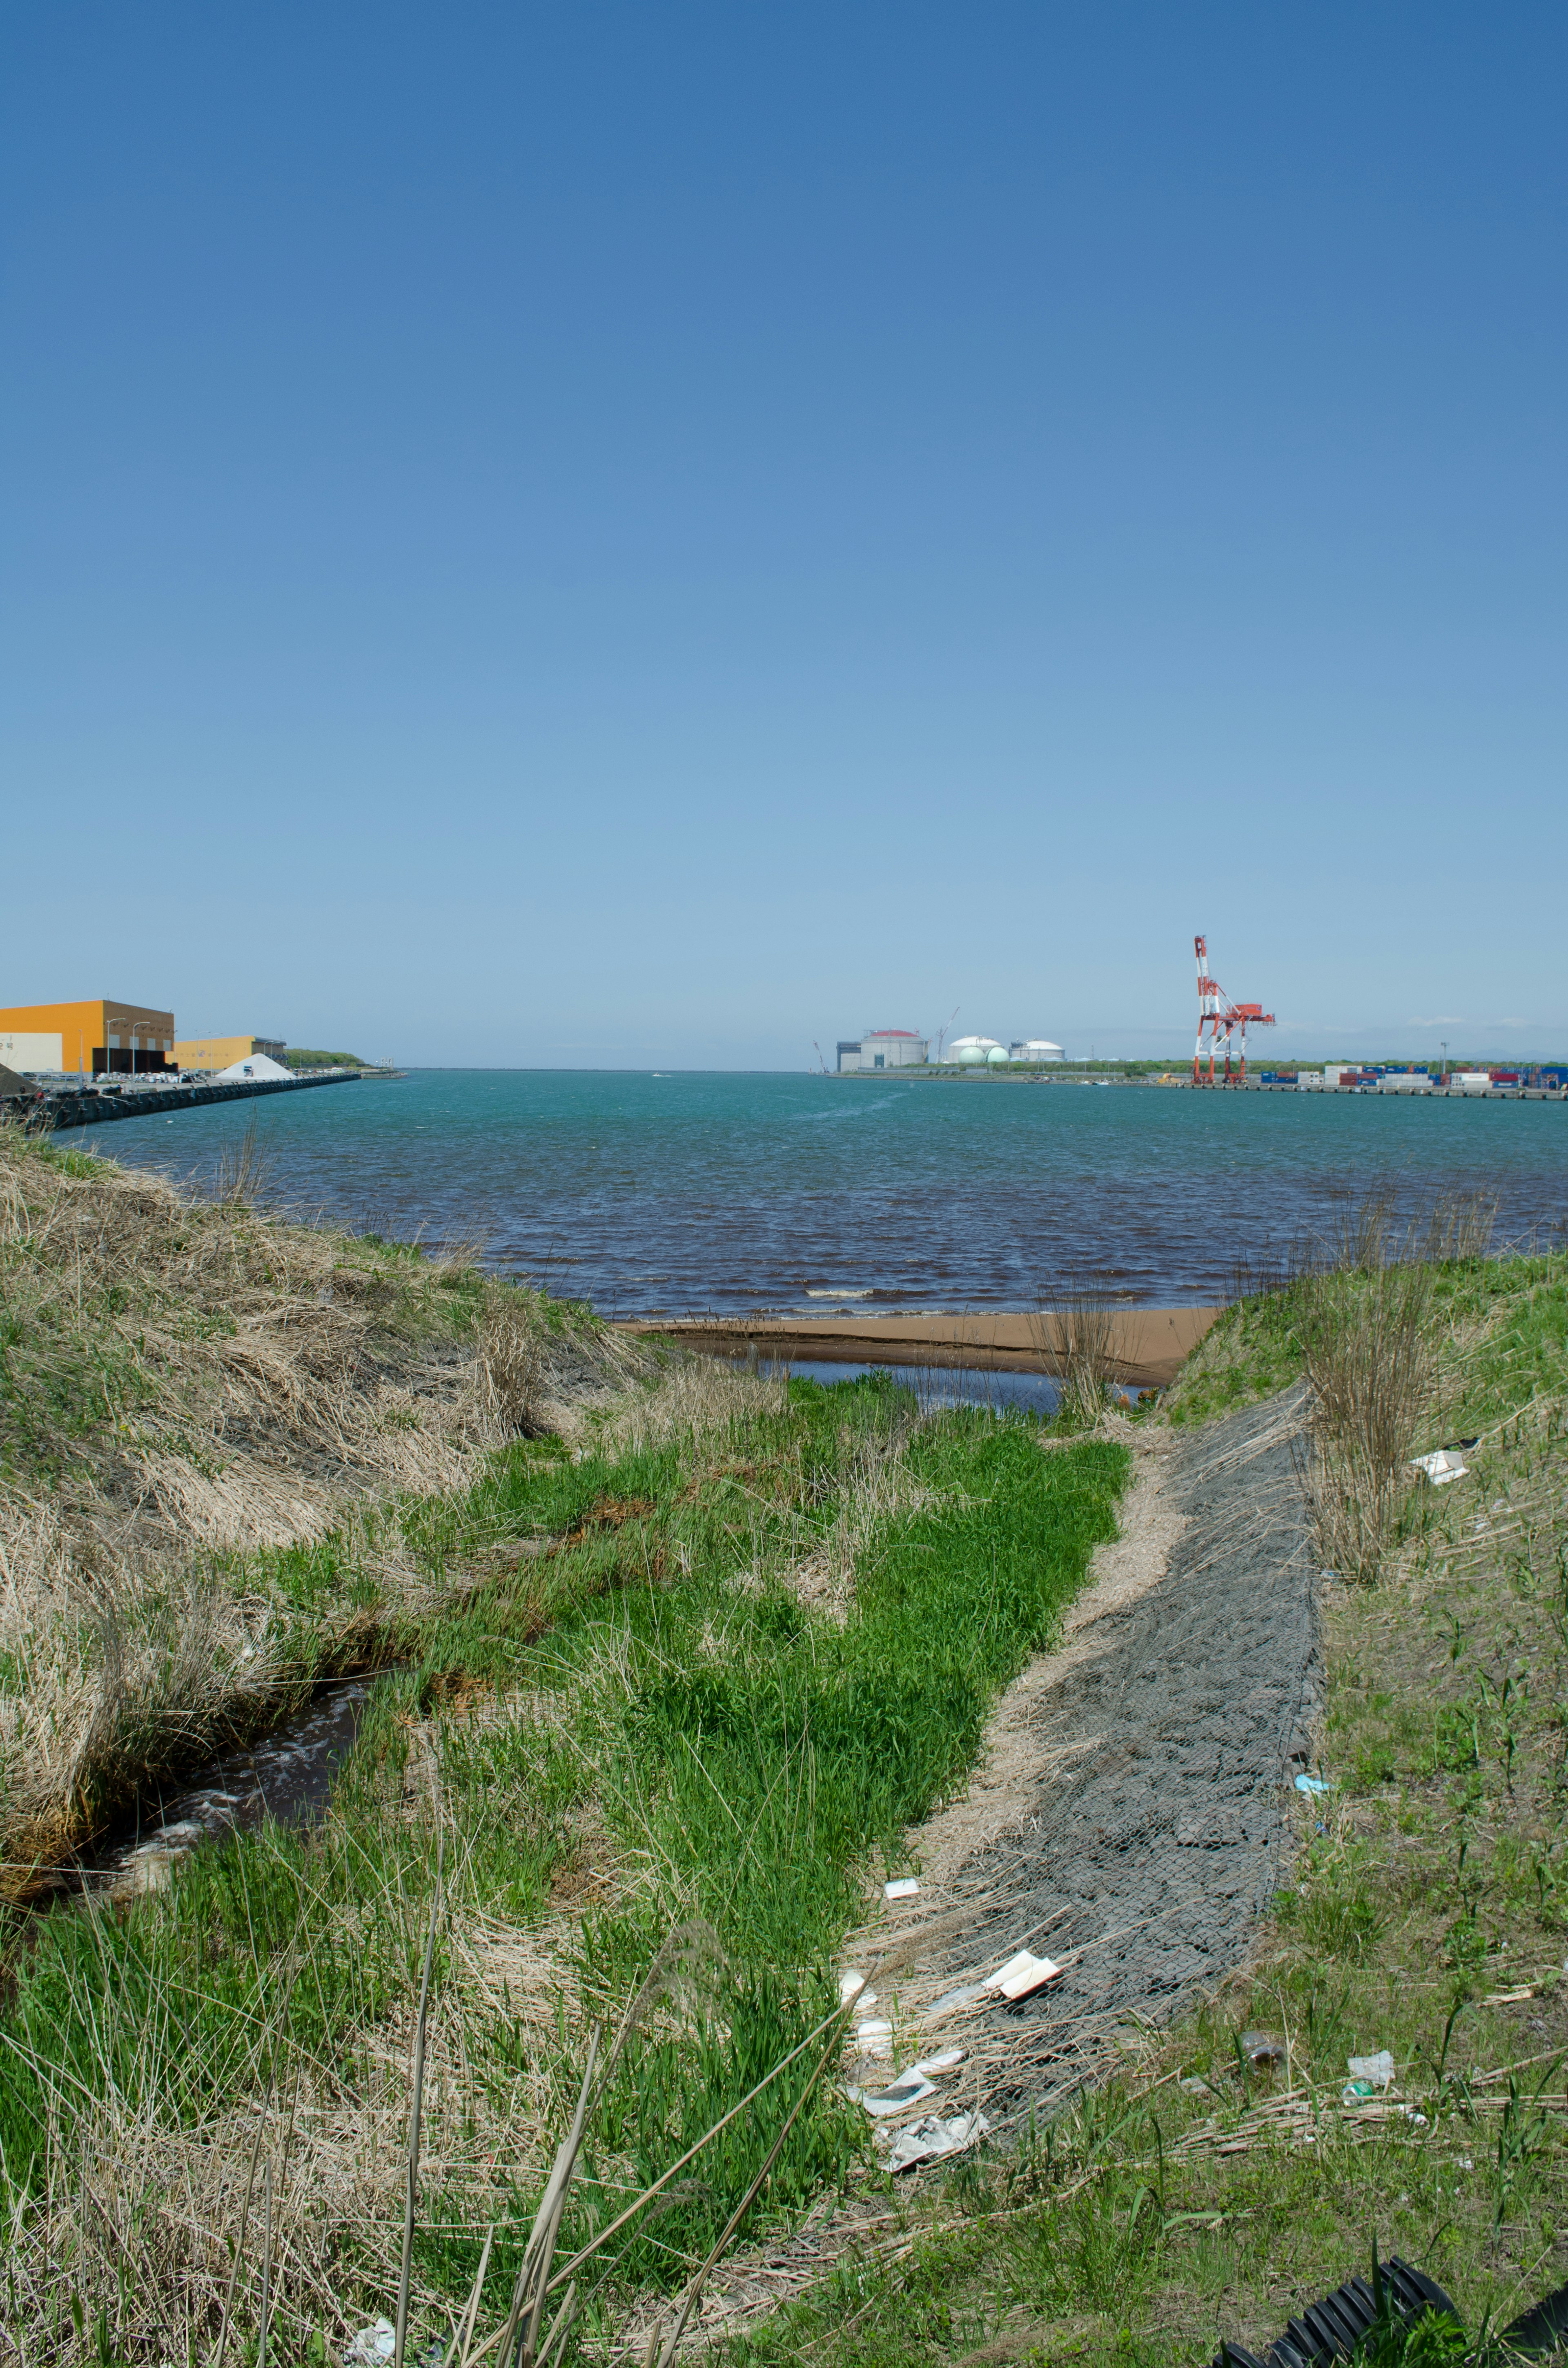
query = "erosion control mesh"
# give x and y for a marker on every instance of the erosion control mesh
(1160, 1832)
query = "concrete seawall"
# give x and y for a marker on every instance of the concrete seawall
(50, 1112)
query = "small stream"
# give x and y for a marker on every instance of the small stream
(286, 1776)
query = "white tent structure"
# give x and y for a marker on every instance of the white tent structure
(258, 1070)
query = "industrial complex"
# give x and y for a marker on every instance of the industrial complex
(104, 1037)
(900, 1048)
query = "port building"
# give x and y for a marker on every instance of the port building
(223, 1051)
(883, 1047)
(95, 1039)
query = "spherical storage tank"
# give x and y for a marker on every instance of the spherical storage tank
(973, 1052)
(997, 1058)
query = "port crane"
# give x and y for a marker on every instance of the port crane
(1217, 1015)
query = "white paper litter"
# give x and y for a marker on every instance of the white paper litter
(874, 2038)
(853, 1986)
(373, 2345)
(1021, 1974)
(925, 2141)
(879, 2102)
(905, 1887)
(1377, 2068)
(1441, 1466)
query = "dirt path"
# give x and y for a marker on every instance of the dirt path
(1131, 1816)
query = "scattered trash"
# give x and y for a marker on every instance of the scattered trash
(1264, 2049)
(1356, 2092)
(904, 1888)
(951, 2000)
(853, 1986)
(1021, 1976)
(1194, 2085)
(1312, 1784)
(874, 2038)
(373, 2345)
(1465, 2163)
(926, 2141)
(943, 2062)
(1417, 2121)
(1377, 2068)
(1444, 1464)
(909, 2090)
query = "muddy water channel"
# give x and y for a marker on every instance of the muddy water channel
(286, 1777)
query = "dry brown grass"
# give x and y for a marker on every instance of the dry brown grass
(184, 1386)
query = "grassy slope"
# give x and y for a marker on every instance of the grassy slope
(623, 1708)
(1430, 1917)
(194, 1398)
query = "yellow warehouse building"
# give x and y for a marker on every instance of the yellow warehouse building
(223, 1051)
(101, 1038)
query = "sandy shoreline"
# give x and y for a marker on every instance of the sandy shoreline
(1150, 1343)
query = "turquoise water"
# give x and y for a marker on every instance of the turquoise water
(652, 1194)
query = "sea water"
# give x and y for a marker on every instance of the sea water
(681, 1193)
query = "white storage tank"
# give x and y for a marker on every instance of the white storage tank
(973, 1052)
(1034, 1050)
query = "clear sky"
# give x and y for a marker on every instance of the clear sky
(648, 535)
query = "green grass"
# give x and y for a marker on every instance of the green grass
(747, 1765)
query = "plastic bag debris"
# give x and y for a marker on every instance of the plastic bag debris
(943, 2062)
(951, 2000)
(1021, 1976)
(1312, 1784)
(853, 1986)
(926, 2141)
(874, 2038)
(909, 2090)
(1446, 1463)
(373, 2345)
(905, 1887)
(1262, 2049)
(1377, 2068)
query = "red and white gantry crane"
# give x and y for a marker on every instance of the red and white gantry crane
(1216, 1016)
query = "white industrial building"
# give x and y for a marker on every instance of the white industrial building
(883, 1047)
(1034, 1050)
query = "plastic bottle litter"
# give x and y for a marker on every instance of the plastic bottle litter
(1312, 1784)
(905, 1887)
(1262, 2049)
(373, 2345)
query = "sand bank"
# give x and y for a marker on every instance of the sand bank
(1149, 1343)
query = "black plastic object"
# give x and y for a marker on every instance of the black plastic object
(1332, 2328)
(1542, 2330)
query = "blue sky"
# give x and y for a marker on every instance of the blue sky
(636, 536)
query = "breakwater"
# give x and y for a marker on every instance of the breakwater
(94, 1105)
